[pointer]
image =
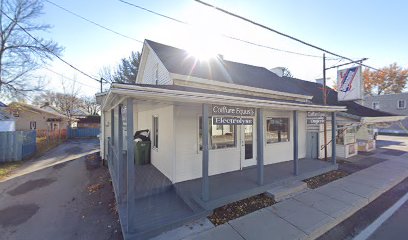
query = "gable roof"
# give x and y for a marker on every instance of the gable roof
(179, 61)
(37, 109)
(2, 104)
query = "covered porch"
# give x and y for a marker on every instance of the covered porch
(151, 200)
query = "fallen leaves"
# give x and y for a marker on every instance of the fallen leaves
(240, 208)
(325, 178)
(94, 187)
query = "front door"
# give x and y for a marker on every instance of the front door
(248, 153)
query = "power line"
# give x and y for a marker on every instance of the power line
(35, 39)
(223, 35)
(277, 32)
(73, 80)
(94, 23)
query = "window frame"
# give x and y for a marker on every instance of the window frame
(199, 145)
(398, 104)
(377, 103)
(266, 129)
(155, 132)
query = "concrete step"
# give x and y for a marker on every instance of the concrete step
(286, 191)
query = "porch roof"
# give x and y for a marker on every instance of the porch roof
(173, 93)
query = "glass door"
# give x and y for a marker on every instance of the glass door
(247, 146)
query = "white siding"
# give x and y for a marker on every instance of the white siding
(188, 156)
(283, 151)
(152, 65)
(163, 157)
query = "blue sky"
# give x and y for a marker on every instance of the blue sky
(356, 29)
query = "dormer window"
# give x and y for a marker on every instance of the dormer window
(402, 104)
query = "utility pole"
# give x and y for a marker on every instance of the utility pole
(325, 103)
(101, 84)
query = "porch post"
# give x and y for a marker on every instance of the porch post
(205, 181)
(295, 143)
(334, 130)
(130, 167)
(121, 163)
(260, 145)
(112, 126)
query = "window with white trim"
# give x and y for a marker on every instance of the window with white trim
(402, 104)
(220, 136)
(155, 131)
(376, 105)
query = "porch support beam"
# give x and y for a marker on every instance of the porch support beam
(260, 145)
(295, 144)
(334, 130)
(121, 163)
(130, 167)
(205, 187)
(113, 125)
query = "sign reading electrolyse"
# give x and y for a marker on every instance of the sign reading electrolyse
(349, 85)
(236, 115)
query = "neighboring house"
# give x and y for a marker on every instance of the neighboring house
(89, 122)
(7, 122)
(355, 126)
(392, 103)
(29, 117)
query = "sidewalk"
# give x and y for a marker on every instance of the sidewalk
(310, 214)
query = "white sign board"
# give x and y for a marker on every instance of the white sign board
(349, 84)
(315, 118)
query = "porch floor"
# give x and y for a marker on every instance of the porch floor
(163, 206)
(237, 185)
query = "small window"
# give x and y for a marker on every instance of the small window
(220, 136)
(33, 125)
(155, 132)
(277, 130)
(376, 105)
(401, 104)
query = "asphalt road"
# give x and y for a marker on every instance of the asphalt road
(396, 227)
(59, 196)
(358, 222)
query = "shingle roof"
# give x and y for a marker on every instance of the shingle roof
(180, 62)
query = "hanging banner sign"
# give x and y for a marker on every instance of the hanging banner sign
(225, 110)
(232, 121)
(349, 84)
(314, 118)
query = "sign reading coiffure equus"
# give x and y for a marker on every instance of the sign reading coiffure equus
(235, 115)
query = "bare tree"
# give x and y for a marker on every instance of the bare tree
(20, 54)
(90, 105)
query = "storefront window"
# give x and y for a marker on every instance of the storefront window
(220, 136)
(277, 130)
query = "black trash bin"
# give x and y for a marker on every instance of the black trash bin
(142, 152)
